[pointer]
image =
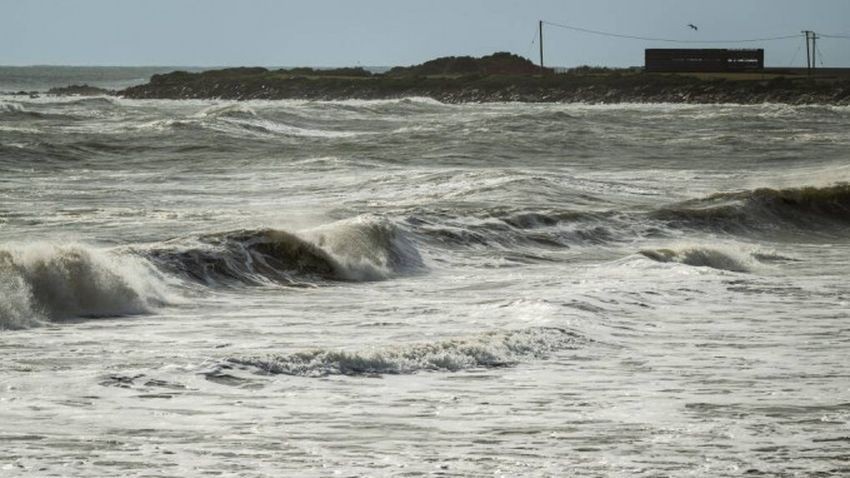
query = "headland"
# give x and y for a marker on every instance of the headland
(501, 77)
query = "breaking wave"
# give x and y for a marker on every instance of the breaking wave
(46, 282)
(807, 208)
(235, 110)
(276, 127)
(727, 257)
(704, 257)
(494, 349)
(509, 228)
(93, 101)
(241, 120)
(361, 249)
(17, 111)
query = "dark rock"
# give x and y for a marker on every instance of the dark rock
(79, 90)
(499, 77)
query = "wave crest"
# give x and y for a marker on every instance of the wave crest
(495, 349)
(808, 208)
(45, 282)
(235, 110)
(512, 227)
(832, 201)
(700, 257)
(17, 111)
(727, 257)
(361, 249)
(368, 248)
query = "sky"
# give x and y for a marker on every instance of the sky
(397, 32)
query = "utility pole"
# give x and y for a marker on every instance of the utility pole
(814, 51)
(808, 53)
(540, 27)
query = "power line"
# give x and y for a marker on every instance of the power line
(795, 55)
(842, 37)
(531, 45)
(821, 56)
(666, 40)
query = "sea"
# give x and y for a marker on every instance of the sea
(408, 288)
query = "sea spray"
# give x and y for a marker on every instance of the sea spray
(45, 282)
(368, 248)
(360, 249)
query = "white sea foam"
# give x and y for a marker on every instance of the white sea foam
(43, 282)
(721, 256)
(495, 349)
(17, 129)
(10, 107)
(414, 100)
(289, 130)
(235, 109)
(16, 311)
(367, 247)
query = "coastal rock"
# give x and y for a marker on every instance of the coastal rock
(80, 90)
(494, 78)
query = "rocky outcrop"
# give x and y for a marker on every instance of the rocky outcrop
(499, 63)
(634, 88)
(79, 90)
(497, 78)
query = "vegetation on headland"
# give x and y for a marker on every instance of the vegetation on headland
(496, 78)
(497, 64)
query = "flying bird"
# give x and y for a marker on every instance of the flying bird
(693, 26)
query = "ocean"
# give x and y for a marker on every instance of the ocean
(409, 288)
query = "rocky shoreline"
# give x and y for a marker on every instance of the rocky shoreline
(501, 77)
(639, 88)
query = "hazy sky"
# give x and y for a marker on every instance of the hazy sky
(394, 32)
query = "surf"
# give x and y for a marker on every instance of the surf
(487, 350)
(46, 282)
(361, 249)
(804, 209)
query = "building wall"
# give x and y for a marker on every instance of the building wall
(703, 60)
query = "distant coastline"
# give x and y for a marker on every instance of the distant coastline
(501, 77)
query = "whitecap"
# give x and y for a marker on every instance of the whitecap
(46, 282)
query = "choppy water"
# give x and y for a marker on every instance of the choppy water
(406, 288)
(42, 78)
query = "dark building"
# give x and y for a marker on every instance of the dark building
(703, 60)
